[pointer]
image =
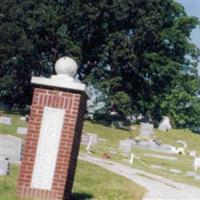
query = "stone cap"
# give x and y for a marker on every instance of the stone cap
(66, 69)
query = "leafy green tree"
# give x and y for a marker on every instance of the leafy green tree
(183, 103)
(134, 51)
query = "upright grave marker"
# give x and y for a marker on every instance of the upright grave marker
(54, 133)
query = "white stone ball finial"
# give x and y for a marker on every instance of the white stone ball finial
(66, 66)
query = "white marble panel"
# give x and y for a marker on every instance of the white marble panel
(47, 149)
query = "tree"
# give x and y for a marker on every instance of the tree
(133, 51)
(182, 104)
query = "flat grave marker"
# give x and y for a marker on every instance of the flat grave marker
(11, 147)
(22, 130)
(5, 120)
(4, 166)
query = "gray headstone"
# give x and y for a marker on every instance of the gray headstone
(23, 118)
(197, 178)
(11, 147)
(165, 124)
(85, 138)
(148, 144)
(146, 130)
(176, 171)
(4, 166)
(190, 174)
(192, 153)
(126, 145)
(22, 130)
(5, 120)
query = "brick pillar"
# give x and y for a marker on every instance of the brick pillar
(52, 142)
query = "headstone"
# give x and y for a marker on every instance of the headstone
(146, 130)
(11, 147)
(190, 174)
(23, 118)
(165, 124)
(125, 145)
(196, 163)
(148, 144)
(22, 130)
(6, 120)
(86, 137)
(160, 156)
(176, 171)
(4, 166)
(192, 153)
(197, 178)
(153, 145)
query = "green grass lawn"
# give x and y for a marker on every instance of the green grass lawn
(16, 122)
(183, 163)
(99, 184)
(91, 182)
(112, 137)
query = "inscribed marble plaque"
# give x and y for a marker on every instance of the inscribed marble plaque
(47, 149)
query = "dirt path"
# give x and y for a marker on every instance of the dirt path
(157, 186)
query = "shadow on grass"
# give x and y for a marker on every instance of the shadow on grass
(81, 196)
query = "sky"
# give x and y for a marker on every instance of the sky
(192, 8)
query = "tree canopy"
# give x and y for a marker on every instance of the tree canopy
(137, 52)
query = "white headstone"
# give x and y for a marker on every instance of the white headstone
(146, 129)
(11, 147)
(197, 178)
(23, 118)
(85, 138)
(5, 120)
(4, 166)
(190, 174)
(165, 124)
(22, 130)
(192, 153)
(176, 171)
(196, 163)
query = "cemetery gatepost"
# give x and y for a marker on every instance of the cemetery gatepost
(54, 132)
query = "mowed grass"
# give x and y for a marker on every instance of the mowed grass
(91, 182)
(170, 137)
(183, 163)
(112, 137)
(16, 122)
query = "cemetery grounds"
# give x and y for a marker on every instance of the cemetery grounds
(91, 181)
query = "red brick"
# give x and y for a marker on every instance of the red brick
(69, 145)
